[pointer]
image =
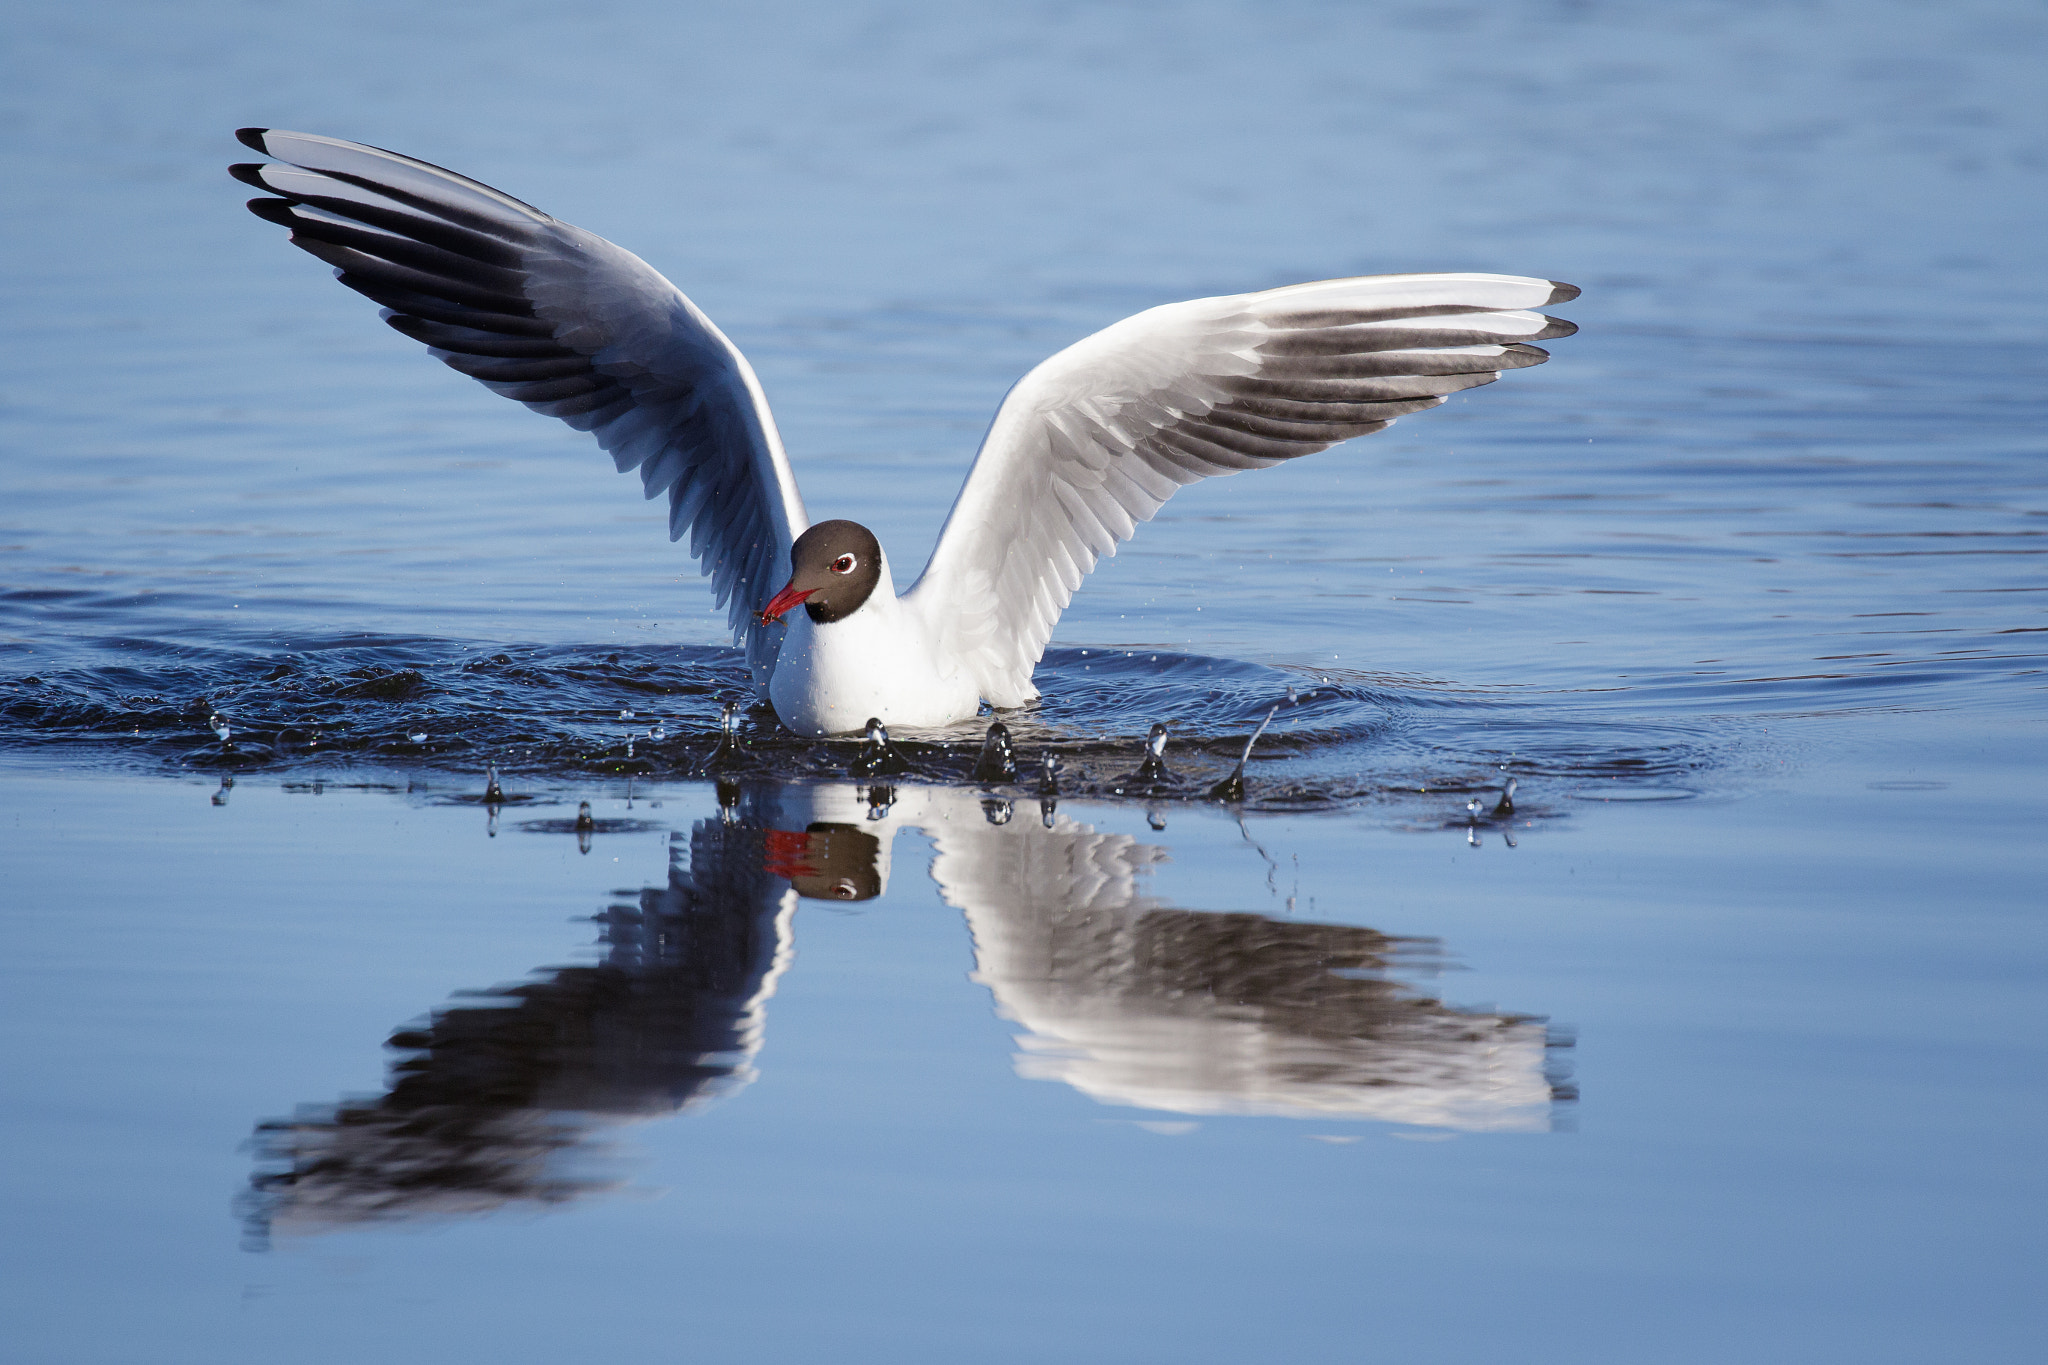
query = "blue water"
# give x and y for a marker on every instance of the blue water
(1719, 1039)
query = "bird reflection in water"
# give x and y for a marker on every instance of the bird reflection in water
(1135, 1002)
(498, 1102)
(1127, 999)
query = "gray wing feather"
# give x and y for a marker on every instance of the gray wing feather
(575, 328)
(1097, 438)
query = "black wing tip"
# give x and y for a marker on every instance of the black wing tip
(1561, 292)
(252, 138)
(1559, 328)
(278, 211)
(250, 173)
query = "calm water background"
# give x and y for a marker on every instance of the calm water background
(1745, 588)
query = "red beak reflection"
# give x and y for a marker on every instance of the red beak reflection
(825, 862)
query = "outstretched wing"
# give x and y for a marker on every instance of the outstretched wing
(563, 321)
(1096, 439)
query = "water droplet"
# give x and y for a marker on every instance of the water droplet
(220, 727)
(492, 791)
(1472, 808)
(657, 731)
(416, 736)
(629, 746)
(998, 761)
(584, 822)
(1155, 742)
(877, 757)
(626, 715)
(1292, 695)
(729, 717)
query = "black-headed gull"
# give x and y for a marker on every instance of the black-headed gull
(1086, 446)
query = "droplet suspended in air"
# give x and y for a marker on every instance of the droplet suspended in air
(626, 715)
(416, 736)
(492, 791)
(657, 732)
(220, 727)
(584, 822)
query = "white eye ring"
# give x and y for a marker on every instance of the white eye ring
(844, 564)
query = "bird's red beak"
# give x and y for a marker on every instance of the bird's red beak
(790, 596)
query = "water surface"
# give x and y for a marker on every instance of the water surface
(1719, 1038)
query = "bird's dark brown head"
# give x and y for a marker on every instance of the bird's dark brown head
(834, 567)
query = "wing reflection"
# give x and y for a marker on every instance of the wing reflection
(1133, 1002)
(1129, 1000)
(494, 1103)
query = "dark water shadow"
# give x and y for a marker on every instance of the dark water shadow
(428, 705)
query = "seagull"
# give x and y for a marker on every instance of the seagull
(1086, 446)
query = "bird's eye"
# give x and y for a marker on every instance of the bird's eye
(843, 564)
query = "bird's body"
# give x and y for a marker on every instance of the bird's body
(1086, 446)
(881, 662)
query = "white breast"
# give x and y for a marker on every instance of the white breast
(881, 663)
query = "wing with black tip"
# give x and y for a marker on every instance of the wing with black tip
(570, 325)
(1096, 439)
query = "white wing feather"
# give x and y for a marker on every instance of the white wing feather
(1097, 438)
(570, 325)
